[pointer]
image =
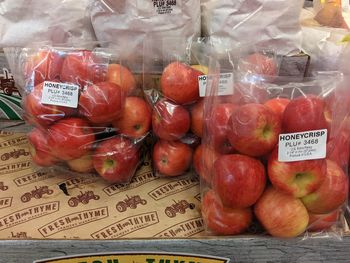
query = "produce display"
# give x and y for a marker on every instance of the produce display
(86, 112)
(272, 158)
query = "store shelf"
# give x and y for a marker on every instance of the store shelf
(242, 249)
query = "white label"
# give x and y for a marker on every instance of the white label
(225, 84)
(165, 6)
(300, 146)
(60, 94)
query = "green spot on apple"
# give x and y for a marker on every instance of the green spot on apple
(137, 127)
(267, 131)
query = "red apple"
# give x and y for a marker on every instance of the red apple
(223, 220)
(70, 138)
(203, 162)
(83, 67)
(102, 102)
(332, 193)
(121, 76)
(116, 159)
(197, 112)
(338, 149)
(281, 214)
(82, 164)
(170, 121)
(238, 180)
(40, 114)
(43, 65)
(41, 153)
(322, 222)
(135, 120)
(277, 105)
(304, 113)
(254, 129)
(260, 64)
(171, 158)
(298, 178)
(179, 83)
(217, 127)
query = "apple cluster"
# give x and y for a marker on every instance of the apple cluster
(103, 133)
(177, 119)
(243, 177)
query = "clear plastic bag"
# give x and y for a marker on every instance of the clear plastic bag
(86, 109)
(128, 23)
(285, 170)
(254, 22)
(64, 21)
(171, 85)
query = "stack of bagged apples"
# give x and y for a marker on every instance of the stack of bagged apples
(177, 119)
(85, 113)
(240, 160)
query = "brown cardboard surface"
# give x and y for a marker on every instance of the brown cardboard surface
(34, 206)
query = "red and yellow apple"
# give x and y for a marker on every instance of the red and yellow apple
(281, 214)
(197, 123)
(121, 76)
(204, 158)
(253, 129)
(223, 220)
(116, 159)
(179, 83)
(170, 121)
(171, 158)
(277, 105)
(298, 178)
(82, 164)
(136, 118)
(238, 180)
(332, 193)
(101, 103)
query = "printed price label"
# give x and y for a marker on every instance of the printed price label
(300, 146)
(225, 84)
(60, 94)
(165, 6)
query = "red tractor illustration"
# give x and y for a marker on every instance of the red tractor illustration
(14, 154)
(131, 202)
(37, 193)
(178, 207)
(83, 198)
(3, 187)
(7, 83)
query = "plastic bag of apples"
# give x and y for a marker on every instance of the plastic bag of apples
(171, 85)
(274, 153)
(86, 111)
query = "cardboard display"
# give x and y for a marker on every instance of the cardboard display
(36, 204)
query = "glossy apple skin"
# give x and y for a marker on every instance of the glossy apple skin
(43, 65)
(40, 114)
(82, 164)
(259, 64)
(298, 178)
(338, 149)
(254, 129)
(332, 193)
(238, 180)
(197, 123)
(116, 159)
(70, 138)
(277, 105)
(304, 114)
(38, 147)
(171, 158)
(83, 67)
(223, 220)
(136, 118)
(179, 83)
(217, 127)
(121, 76)
(204, 158)
(101, 103)
(170, 121)
(322, 222)
(281, 214)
